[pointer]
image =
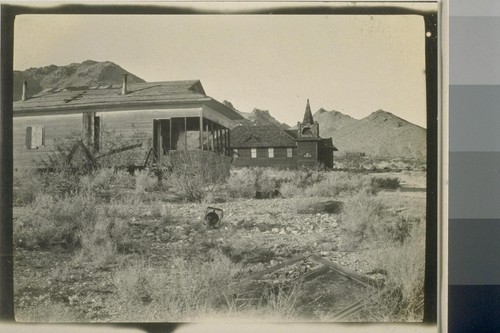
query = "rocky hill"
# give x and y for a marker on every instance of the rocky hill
(87, 73)
(256, 117)
(263, 118)
(380, 134)
(332, 121)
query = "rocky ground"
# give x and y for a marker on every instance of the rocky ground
(258, 234)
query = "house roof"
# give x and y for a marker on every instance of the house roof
(260, 136)
(110, 96)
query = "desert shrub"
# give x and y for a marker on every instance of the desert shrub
(145, 181)
(26, 186)
(194, 175)
(387, 183)
(245, 183)
(404, 265)
(306, 179)
(241, 184)
(398, 228)
(336, 183)
(290, 190)
(366, 220)
(102, 242)
(180, 291)
(62, 182)
(53, 221)
(98, 183)
(361, 217)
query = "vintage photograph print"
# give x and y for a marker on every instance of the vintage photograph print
(269, 162)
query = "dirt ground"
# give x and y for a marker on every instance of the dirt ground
(50, 285)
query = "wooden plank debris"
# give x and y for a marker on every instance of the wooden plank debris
(257, 275)
(364, 280)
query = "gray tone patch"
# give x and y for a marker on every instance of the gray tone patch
(474, 8)
(474, 50)
(474, 109)
(473, 252)
(474, 179)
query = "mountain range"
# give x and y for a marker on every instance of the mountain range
(381, 134)
(87, 73)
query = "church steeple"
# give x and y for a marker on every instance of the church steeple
(308, 127)
(308, 117)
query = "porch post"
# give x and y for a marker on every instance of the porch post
(169, 136)
(201, 131)
(185, 134)
(211, 135)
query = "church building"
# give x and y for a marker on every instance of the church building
(272, 146)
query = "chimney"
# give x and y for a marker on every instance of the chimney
(25, 90)
(124, 85)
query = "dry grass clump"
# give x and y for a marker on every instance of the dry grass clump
(328, 184)
(194, 175)
(361, 217)
(366, 220)
(183, 290)
(49, 221)
(26, 186)
(105, 183)
(404, 264)
(245, 183)
(145, 181)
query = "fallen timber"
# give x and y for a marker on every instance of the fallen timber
(328, 265)
(360, 278)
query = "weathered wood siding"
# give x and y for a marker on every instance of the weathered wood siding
(280, 158)
(307, 147)
(126, 124)
(55, 126)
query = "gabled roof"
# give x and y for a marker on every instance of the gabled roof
(110, 96)
(260, 136)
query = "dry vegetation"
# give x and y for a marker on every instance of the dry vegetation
(114, 246)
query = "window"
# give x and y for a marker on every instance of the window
(235, 153)
(35, 137)
(271, 152)
(253, 152)
(308, 155)
(289, 152)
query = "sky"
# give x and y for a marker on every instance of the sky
(352, 64)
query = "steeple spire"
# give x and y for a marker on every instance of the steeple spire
(308, 117)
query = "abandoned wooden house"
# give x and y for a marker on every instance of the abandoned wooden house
(286, 148)
(168, 117)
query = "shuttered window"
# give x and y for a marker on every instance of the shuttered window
(254, 152)
(271, 152)
(289, 152)
(35, 137)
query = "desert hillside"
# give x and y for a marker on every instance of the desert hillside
(87, 73)
(380, 134)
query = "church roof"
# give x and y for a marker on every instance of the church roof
(260, 136)
(308, 117)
